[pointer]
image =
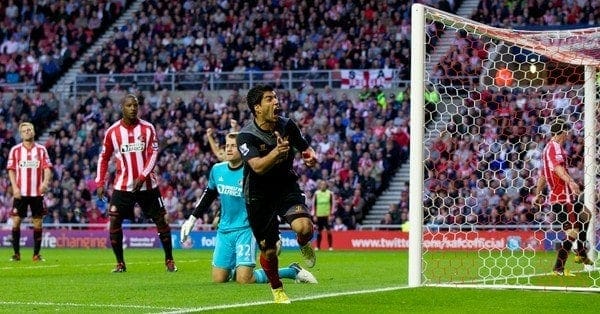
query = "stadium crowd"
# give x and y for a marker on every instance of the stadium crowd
(462, 63)
(39, 40)
(483, 168)
(520, 14)
(358, 140)
(209, 36)
(213, 36)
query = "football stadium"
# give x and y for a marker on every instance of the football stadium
(451, 162)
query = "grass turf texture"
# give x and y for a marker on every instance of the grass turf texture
(80, 281)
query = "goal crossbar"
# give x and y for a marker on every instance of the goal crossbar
(579, 46)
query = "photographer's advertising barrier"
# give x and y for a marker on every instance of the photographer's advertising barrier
(342, 240)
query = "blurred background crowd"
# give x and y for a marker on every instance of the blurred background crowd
(481, 170)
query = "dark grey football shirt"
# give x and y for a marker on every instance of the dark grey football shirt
(255, 142)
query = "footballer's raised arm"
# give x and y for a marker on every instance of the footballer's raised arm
(297, 141)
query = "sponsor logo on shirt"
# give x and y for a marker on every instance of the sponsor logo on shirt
(133, 147)
(29, 164)
(229, 190)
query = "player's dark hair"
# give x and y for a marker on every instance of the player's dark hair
(232, 135)
(559, 126)
(255, 95)
(132, 96)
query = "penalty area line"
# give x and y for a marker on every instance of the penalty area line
(312, 297)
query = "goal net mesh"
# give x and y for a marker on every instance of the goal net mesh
(489, 98)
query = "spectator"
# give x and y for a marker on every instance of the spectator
(52, 219)
(394, 213)
(338, 225)
(140, 32)
(171, 203)
(386, 220)
(346, 214)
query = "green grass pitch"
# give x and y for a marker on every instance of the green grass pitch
(80, 281)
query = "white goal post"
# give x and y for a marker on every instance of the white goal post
(543, 83)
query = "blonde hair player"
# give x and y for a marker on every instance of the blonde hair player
(29, 170)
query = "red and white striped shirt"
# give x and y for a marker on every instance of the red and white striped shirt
(554, 155)
(136, 151)
(29, 166)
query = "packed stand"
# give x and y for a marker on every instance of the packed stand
(39, 40)
(482, 170)
(358, 140)
(167, 37)
(462, 63)
(359, 143)
(537, 14)
(16, 107)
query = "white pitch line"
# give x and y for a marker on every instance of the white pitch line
(20, 268)
(49, 265)
(96, 305)
(175, 310)
(313, 297)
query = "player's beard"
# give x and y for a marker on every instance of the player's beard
(268, 119)
(131, 117)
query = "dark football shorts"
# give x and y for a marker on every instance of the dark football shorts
(150, 202)
(566, 214)
(35, 203)
(323, 223)
(264, 213)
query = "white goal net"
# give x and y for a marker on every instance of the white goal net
(483, 102)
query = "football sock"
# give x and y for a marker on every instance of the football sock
(37, 241)
(581, 240)
(16, 240)
(116, 241)
(260, 276)
(271, 270)
(319, 237)
(165, 239)
(563, 253)
(164, 234)
(286, 272)
(303, 239)
(329, 238)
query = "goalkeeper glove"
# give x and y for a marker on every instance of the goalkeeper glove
(186, 228)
